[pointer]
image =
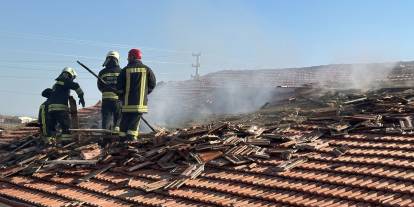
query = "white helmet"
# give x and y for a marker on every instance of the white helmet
(114, 54)
(71, 71)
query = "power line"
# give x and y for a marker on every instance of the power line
(52, 78)
(102, 44)
(23, 78)
(32, 61)
(87, 42)
(40, 78)
(37, 94)
(20, 92)
(56, 54)
(90, 57)
(13, 67)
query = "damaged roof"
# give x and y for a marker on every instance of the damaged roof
(336, 149)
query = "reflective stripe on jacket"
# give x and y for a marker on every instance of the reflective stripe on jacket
(58, 107)
(61, 92)
(42, 118)
(136, 81)
(110, 76)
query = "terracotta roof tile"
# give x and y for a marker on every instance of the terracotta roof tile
(377, 170)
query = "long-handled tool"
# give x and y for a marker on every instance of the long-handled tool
(103, 81)
(149, 125)
(94, 74)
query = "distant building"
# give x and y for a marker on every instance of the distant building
(14, 120)
(25, 119)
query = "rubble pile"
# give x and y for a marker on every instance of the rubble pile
(186, 153)
(381, 111)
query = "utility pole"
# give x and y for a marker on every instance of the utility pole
(196, 65)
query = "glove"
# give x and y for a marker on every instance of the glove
(82, 101)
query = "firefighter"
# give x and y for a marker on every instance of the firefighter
(135, 82)
(111, 106)
(43, 118)
(58, 102)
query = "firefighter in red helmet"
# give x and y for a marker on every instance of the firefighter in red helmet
(135, 82)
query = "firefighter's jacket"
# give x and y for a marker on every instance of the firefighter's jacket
(135, 82)
(58, 101)
(110, 75)
(42, 118)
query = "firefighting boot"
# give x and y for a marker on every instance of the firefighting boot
(131, 138)
(122, 136)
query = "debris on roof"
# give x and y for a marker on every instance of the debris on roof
(337, 149)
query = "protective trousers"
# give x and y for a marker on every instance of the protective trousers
(111, 114)
(63, 119)
(130, 125)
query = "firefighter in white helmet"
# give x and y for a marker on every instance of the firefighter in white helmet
(111, 105)
(58, 102)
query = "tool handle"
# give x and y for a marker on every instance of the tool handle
(146, 122)
(94, 74)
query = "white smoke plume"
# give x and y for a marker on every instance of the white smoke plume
(171, 105)
(369, 76)
(362, 76)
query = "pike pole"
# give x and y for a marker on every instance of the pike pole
(103, 81)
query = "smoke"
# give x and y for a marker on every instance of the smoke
(233, 36)
(169, 106)
(242, 94)
(229, 35)
(362, 76)
(369, 76)
(174, 104)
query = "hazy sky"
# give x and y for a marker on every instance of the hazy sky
(39, 38)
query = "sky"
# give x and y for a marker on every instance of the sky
(39, 38)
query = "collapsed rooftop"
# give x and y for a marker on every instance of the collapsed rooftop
(313, 148)
(235, 91)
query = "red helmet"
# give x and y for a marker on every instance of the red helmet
(135, 54)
